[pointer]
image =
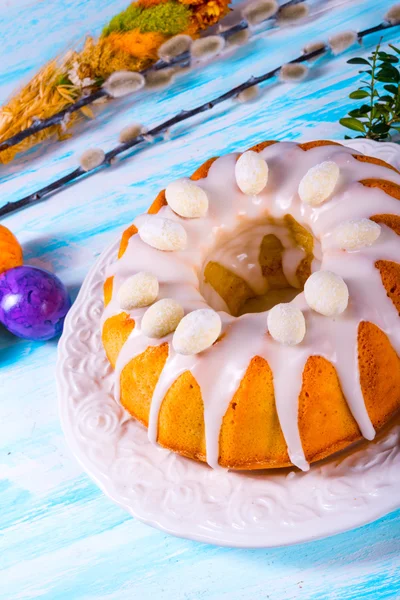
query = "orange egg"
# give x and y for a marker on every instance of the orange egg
(10, 250)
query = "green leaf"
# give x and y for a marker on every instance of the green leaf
(360, 112)
(388, 67)
(388, 71)
(386, 98)
(372, 120)
(393, 47)
(391, 69)
(352, 123)
(379, 110)
(391, 88)
(364, 109)
(382, 110)
(390, 59)
(381, 128)
(384, 78)
(385, 54)
(358, 61)
(357, 95)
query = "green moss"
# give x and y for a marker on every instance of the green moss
(124, 21)
(170, 19)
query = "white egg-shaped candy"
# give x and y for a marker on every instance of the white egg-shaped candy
(186, 198)
(138, 290)
(163, 234)
(356, 234)
(326, 293)
(197, 331)
(251, 172)
(286, 324)
(162, 318)
(318, 183)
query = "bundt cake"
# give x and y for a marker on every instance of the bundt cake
(252, 317)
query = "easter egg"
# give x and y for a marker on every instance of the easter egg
(33, 303)
(10, 250)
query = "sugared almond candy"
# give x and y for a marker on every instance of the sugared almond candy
(186, 198)
(318, 183)
(197, 331)
(163, 234)
(326, 293)
(353, 235)
(251, 173)
(286, 324)
(161, 318)
(137, 291)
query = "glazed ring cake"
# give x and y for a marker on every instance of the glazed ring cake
(252, 317)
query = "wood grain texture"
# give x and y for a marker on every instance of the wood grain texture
(60, 538)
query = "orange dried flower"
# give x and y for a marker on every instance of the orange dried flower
(213, 11)
(192, 2)
(148, 3)
(135, 43)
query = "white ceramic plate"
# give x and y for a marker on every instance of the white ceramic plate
(189, 499)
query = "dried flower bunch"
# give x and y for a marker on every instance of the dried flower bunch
(379, 115)
(129, 42)
(132, 43)
(135, 134)
(82, 80)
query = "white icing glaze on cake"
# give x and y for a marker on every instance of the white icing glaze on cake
(220, 369)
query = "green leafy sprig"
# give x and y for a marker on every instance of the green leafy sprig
(379, 117)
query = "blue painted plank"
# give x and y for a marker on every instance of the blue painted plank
(60, 538)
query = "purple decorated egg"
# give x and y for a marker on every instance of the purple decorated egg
(33, 303)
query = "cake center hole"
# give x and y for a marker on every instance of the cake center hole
(257, 266)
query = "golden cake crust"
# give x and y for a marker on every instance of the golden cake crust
(251, 436)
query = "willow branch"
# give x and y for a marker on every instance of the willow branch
(183, 60)
(184, 115)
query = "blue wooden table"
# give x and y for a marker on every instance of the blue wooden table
(60, 538)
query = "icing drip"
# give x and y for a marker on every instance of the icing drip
(220, 369)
